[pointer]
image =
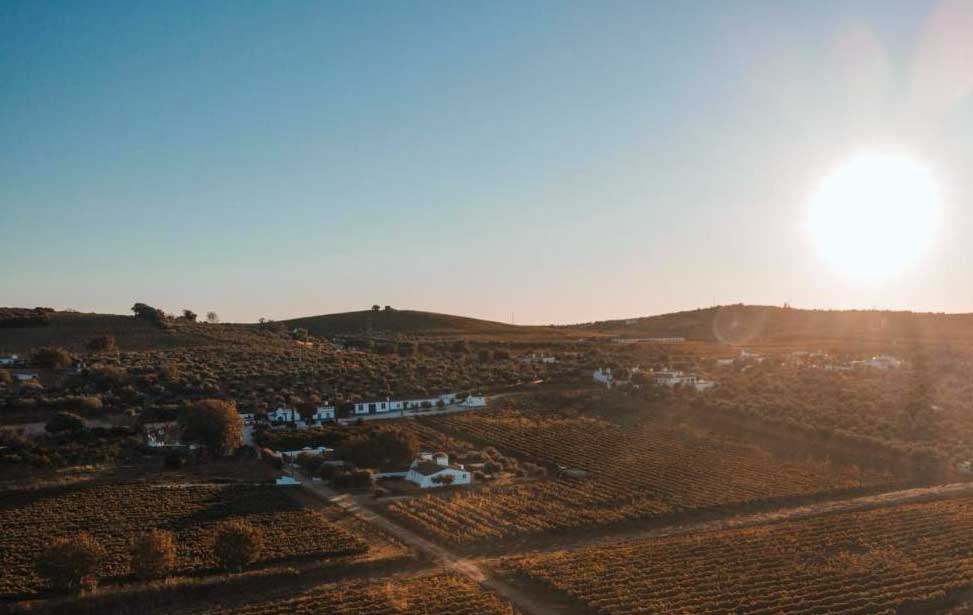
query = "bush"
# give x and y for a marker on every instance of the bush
(153, 554)
(71, 563)
(65, 421)
(50, 358)
(381, 449)
(174, 460)
(215, 423)
(237, 544)
(102, 343)
(354, 479)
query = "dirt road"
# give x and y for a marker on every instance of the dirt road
(479, 571)
(437, 553)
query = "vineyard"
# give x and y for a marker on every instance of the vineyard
(440, 594)
(627, 474)
(115, 514)
(863, 562)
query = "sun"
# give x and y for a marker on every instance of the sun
(875, 215)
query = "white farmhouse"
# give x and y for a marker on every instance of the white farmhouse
(372, 407)
(284, 415)
(9, 360)
(883, 362)
(474, 401)
(323, 413)
(604, 376)
(433, 470)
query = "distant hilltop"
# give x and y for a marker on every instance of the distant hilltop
(742, 324)
(25, 328)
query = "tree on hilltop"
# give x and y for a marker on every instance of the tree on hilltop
(147, 312)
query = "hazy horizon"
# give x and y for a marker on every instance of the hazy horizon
(561, 163)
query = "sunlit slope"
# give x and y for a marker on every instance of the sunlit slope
(73, 330)
(743, 324)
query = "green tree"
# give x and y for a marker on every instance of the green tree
(237, 544)
(215, 423)
(153, 554)
(189, 315)
(71, 563)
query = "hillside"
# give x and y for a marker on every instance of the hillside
(416, 323)
(740, 324)
(21, 330)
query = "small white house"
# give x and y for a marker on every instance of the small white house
(434, 470)
(372, 407)
(883, 362)
(323, 413)
(671, 378)
(284, 415)
(604, 376)
(9, 360)
(25, 376)
(474, 401)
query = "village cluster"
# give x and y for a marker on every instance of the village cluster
(284, 417)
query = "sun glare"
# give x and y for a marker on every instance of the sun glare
(875, 215)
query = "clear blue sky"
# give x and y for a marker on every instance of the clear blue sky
(563, 162)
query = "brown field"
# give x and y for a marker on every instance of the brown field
(115, 513)
(648, 471)
(437, 594)
(876, 561)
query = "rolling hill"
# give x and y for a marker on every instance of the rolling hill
(22, 330)
(416, 323)
(746, 324)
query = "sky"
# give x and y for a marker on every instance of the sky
(541, 162)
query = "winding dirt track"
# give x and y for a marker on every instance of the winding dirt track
(477, 570)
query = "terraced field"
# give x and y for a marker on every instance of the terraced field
(438, 594)
(115, 514)
(627, 474)
(875, 561)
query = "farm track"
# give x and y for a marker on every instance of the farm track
(480, 569)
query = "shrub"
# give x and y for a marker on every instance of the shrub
(71, 563)
(174, 460)
(102, 343)
(50, 357)
(153, 554)
(237, 544)
(65, 421)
